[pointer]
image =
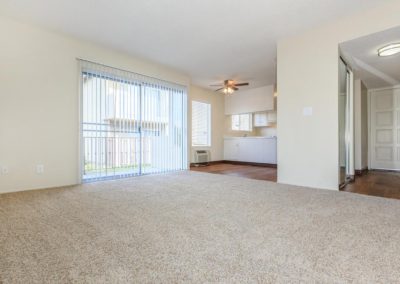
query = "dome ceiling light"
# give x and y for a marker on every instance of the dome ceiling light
(389, 50)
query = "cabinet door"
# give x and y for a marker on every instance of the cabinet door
(270, 155)
(260, 119)
(272, 116)
(231, 149)
(258, 151)
(251, 150)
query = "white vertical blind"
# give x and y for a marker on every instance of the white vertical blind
(201, 124)
(130, 124)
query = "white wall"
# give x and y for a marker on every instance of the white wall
(360, 125)
(216, 100)
(267, 131)
(308, 76)
(39, 102)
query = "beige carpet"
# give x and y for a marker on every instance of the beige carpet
(195, 227)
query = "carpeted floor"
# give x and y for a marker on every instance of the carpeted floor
(197, 227)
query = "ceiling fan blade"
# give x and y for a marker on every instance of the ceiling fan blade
(219, 89)
(235, 88)
(217, 85)
(242, 84)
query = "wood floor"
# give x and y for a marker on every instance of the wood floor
(252, 172)
(377, 183)
(374, 183)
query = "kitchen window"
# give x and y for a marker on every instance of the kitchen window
(242, 122)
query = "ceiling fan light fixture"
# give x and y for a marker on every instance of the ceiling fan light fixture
(228, 91)
(389, 50)
(228, 87)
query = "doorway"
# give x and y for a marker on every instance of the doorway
(375, 61)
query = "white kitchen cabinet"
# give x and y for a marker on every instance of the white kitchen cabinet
(260, 119)
(271, 116)
(250, 149)
(250, 101)
(231, 149)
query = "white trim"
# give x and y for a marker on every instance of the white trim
(80, 114)
(385, 88)
(349, 126)
(350, 123)
(369, 128)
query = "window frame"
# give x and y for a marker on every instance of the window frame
(241, 127)
(209, 130)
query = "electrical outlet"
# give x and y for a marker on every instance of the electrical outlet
(4, 170)
(39, 169)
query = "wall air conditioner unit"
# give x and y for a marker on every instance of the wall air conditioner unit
(201, 157)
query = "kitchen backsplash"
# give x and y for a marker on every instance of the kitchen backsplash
(267, 131)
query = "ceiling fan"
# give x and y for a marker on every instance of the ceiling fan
(229, 86)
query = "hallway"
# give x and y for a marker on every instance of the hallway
(377, 183)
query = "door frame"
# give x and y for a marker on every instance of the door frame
(349, 127)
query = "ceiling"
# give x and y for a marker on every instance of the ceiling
(207, 39)
(362, 55)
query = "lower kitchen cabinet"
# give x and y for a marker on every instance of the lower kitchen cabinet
(250, 149)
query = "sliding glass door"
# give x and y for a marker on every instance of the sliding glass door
(130, 124)
(163, 135)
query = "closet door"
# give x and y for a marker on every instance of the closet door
(385, 129)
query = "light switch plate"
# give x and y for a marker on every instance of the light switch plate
(307, 111)
(39, 169)
(4, 170)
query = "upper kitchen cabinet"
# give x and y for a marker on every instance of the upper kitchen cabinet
(249, 101)
(266, 118)
(260, 119)
(271, 117)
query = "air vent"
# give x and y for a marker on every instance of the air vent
(201, 157)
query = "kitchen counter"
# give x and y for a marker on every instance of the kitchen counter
(251, 149)
(249, 137)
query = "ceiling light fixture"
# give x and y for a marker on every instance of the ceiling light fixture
(389, 50)
(228, 87)
(228, 90)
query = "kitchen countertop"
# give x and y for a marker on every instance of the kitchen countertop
(250, 137)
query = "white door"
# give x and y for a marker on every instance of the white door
(385, 129)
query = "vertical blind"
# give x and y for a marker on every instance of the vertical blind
(201, 124)
(131, 124)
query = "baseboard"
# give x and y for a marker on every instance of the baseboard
(361, 172)
(235, 163)
(251, 164)
(206, 164)
(385, 171)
